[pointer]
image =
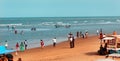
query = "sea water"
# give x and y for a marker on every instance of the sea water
(46, 30)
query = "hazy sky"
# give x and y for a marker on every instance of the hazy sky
(59, 8)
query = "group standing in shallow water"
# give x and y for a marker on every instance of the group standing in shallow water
(22, 46)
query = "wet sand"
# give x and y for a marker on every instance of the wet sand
(84, 50)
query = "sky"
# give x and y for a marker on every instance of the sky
(59, 8)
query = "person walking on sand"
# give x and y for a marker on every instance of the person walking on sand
(54, 42)
(42, 44)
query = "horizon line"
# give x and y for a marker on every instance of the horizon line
(59, 16)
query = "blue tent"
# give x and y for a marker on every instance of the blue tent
(3, 50)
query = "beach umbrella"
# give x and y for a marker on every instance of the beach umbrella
(105, 59)
(3, 50)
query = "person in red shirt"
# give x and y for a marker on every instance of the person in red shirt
(42, 43)
(101, 35)
(17, 46)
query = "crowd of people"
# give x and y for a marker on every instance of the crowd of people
(23, 45)
(71, 38)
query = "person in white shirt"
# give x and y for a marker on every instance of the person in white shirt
(6, 44)
(54, 42)
(97, 32)
(25, 43)
(71, 44)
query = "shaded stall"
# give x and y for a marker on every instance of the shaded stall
(113, 45)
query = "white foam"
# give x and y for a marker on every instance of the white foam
(18, 24)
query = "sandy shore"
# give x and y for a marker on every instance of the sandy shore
(85, 50)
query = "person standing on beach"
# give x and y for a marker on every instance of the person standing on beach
(80, 33)
(101, 36)
(6, 44)
(97, 32)
(71, 42)
(54, 42)
(42, 44)
(17, 46)
(114, 33)
(86, 34)
(69, 35)
(22, 46)
(77, 34)
(25, 43)
(83, 36)
(104, 35)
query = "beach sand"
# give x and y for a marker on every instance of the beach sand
(84, 50)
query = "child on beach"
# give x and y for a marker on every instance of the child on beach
(42, 44)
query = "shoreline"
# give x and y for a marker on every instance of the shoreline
(84, 50)
(62, 51)
(51, 42)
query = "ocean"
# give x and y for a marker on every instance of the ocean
(34, 29)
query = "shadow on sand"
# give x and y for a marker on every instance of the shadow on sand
(91, 53)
